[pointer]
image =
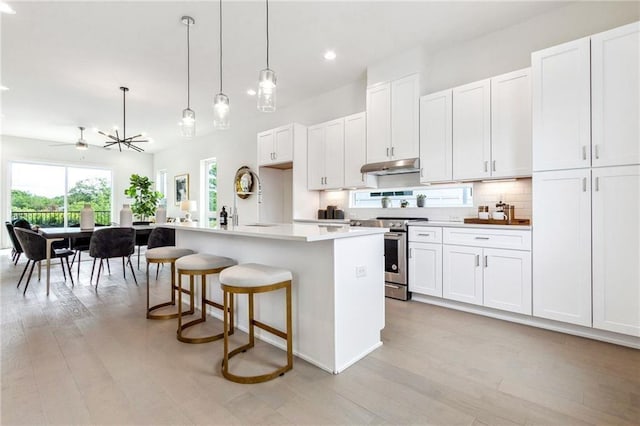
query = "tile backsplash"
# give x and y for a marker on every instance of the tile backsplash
(517, 193)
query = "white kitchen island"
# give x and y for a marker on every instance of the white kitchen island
(338, 284)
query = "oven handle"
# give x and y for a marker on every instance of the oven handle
(397, 287)
(394, 235)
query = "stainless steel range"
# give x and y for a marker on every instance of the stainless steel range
(395, 253)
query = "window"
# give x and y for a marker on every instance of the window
(161, 186)
(440, 196)
(50, 195)
(210, 186)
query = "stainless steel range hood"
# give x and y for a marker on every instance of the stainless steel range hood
(394, 167)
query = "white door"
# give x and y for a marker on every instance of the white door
(425, 268)
(507, 280)
(615, 76)
(436, 145)
(462, 274)
(355, 152)
(334, 154)
(561, 246)
(265, 148)
(378, 122)
(561, 106)
(472, 130)
(315, 153)
(284, 144)
(511, 124)
(405, 140)
(616, 249)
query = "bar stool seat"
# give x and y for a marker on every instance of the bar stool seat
(167, 254)
(250, 279)
(200, 264)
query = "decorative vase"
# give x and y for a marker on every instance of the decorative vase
(386, 203)
(126, 216)
(420, 202)
(161, 215)
(87, 218)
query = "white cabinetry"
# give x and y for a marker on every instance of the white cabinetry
(275, 146)
(392, 119)
(511, 124)
(584, 86)
(616, 249)
(562, 246)
(355, 152)
(472, 130)
(436, 145)
(425, 260)
(489, 267)
(326, 155)
(615, 85)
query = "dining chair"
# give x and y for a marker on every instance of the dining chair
(142, 239)
(107, 243)
(16, 251)
(35, 249)
(80, 244)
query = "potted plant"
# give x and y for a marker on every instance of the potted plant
(145, 199)
(420, 200)
(404, 204)
(386, 202)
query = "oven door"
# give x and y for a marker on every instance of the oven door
(395, 257)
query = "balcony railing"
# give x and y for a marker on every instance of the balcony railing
(56, 219)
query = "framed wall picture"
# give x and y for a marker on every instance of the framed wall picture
(182, 188)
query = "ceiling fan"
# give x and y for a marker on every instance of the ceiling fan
(81, 144)
(115, 139)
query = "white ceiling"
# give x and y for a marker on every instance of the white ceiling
(64, 61)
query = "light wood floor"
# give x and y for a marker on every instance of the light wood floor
(86, 357)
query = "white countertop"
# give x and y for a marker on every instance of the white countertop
(283, 231)
(470, 225)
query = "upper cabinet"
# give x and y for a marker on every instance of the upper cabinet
(392, 124)
(435, 137)
(355, 152)
(275, 146)
(472, 130)
(326, 155)
(511, 124)
(586, 101)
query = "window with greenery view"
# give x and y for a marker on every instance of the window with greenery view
(211, 190)
(49, 195)
(455, 195)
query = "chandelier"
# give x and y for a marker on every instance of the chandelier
(115, 139)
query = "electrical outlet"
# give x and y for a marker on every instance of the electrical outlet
(361, 271)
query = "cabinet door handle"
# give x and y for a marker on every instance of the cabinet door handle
(584, 152)
(481, 238)
(426, 234)
(410, 253)
(597, 183)
(477, 260)
(393, 151)
(422, 172)
(494, 165)
(387, 152)
(486, 261)
(597, 151)
(486, 166)
(275, 155)
(584, 184)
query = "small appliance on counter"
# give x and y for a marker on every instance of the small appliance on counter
(331, 212)
(503, 215)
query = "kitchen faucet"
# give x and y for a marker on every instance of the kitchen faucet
(234, 212)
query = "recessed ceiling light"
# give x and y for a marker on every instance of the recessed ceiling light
(251, 92)
(329, 55)
(3, 88)
(5, 8)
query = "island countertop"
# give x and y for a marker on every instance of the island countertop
(282, 231)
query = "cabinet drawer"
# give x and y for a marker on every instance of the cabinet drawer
(425, 234)
(494, 238)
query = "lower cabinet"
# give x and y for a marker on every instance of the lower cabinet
(507, 280)
(462, 274)
(425, 268)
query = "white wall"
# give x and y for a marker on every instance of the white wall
(122, 165)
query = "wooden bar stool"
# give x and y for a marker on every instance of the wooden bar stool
(249, 279)
(161, 249)
(200, 264)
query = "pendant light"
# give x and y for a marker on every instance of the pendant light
(267, 80)
(82, 144)
(188, 123)
(221, 101)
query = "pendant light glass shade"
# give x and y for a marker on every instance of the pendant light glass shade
(267, 90)
(221, 111)
(188, 124)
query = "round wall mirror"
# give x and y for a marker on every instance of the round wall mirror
(243, 182)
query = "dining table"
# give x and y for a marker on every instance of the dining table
(60, 233)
